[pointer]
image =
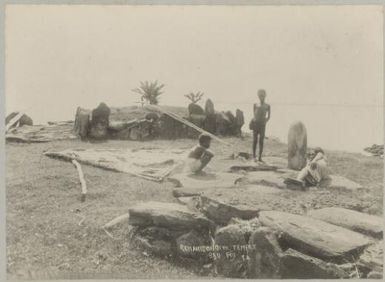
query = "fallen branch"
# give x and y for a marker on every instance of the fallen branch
(116, 221)
(81, 178)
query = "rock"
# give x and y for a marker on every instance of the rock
(195, 109)
(191, 202)
(189, 192)
(99, 122)
(239, 122)
(297, 146)
(156, 240)
(167, 215)
(209, 181)
(375, 275)
(209, 123)
(373, 257)
(209, 107)
(82, 123)
(192, 245)
(264, 255)
(278, 162)
(295, 265)
(221, 213)
(315, 237)
(340, 183)
(223, 124)
(266, 178)
(23, 120)
(251, 166)
(231, 260)
(353, 220)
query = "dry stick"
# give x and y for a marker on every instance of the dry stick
(116, 220)
(186, 122)
(81, 178)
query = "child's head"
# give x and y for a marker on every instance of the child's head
(204, 140)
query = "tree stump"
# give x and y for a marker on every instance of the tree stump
(297, 146)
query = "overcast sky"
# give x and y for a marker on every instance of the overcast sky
(320, 64)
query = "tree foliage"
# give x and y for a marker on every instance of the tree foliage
(149, 92)
(194, 97)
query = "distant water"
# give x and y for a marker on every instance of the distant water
(333, 127)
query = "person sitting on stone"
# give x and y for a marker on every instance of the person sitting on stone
(316, 169)
(200, 155)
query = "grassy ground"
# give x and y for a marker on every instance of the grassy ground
(51, 234)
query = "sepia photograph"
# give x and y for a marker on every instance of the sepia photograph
(193, 141)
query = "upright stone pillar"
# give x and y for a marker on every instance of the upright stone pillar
(297, 146)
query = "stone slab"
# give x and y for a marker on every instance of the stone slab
(315, 237)
(353, 220)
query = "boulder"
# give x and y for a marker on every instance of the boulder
(353, 220)
(264, 255)
(315, 237)
(23, 120)
(295, 265)
(209, 180)
(100, 122)
(372, 258)
(195, 109)
(341, 183)
(82, 123)
(167, 215)
(297, 146)
(231, 259)
(192, 245)
(210, 124)
(156, 240)
(192, 202)
(221, 213)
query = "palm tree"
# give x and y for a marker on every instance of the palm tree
(194, 97)
(149, 92)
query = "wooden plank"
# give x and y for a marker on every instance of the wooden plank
(353, 220)
(315, 237)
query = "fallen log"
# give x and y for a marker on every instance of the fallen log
(82, 180)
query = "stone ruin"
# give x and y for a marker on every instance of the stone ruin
(219, 123)
(245, 242)
(105, 123)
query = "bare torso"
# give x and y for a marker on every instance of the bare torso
(261, 112)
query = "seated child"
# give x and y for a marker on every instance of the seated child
(316, 169)
(200, 156)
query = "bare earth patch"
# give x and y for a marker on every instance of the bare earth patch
(51, 234)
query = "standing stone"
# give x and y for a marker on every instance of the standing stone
(264, 255)
(82, 123)
(210, 121)
(297, 146)
(240, 121)
(100, 121)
